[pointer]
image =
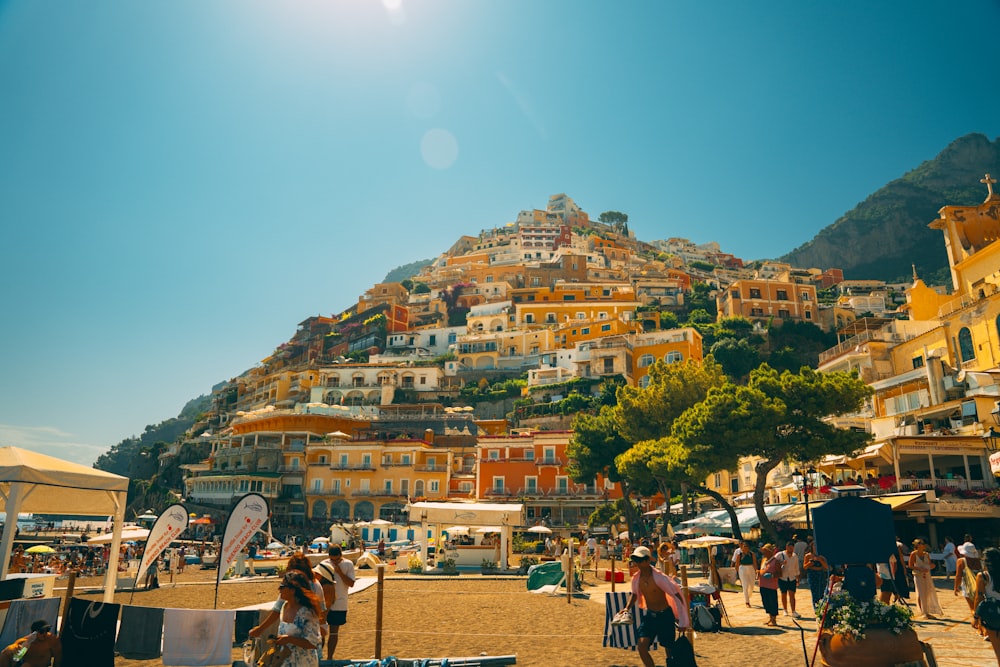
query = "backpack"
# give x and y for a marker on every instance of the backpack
(703, 620)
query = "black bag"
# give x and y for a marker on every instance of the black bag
(681, 654)
(988, 613)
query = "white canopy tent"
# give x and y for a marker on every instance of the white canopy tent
(33, 482)
(503, 516)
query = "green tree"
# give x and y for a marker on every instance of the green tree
(777, 417)
(669, 320)
(737, 356)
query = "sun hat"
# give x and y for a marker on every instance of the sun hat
(968, 549)
(642, 552)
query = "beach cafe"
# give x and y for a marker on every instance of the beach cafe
(434, 518)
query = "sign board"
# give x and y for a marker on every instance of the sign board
(469, 514)
(995, 463)
(966, 508)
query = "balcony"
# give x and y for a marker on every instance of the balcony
(364, 467)
(550, 461)
(431, 468)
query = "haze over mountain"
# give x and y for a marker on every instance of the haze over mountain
(884, 235)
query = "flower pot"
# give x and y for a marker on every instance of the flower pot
(879, 648)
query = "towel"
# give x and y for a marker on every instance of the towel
(88, 637)
(244, 621)
(12, 589)
(198, 637)
(23, 613)
(141, 633)
(622, 636)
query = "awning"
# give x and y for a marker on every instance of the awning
(899, 500)
(878, 450)
(938, 411)
(796, 513)
(717, 521)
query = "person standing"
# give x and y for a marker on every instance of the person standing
(336, 576)
(663, 601)
(745, 562)
(817, 573)
(984, 589)
(950, 557)
(899, 570)
(39, 649)
(967, 568)
(770, 571)
(801, 547)
(920, 564)
(790, 572)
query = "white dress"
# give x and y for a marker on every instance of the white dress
(927, 600)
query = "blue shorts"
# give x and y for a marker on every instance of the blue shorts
(659, 625)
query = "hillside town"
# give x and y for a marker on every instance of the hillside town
(457, 382)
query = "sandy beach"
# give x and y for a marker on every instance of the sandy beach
(468, 615)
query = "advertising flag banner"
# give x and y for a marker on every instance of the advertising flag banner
(248, 515)
(171, 523)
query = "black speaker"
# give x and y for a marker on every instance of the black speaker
(859, 582)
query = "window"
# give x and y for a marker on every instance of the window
(494, 455)
(965, 347)
(569, 297)
(529, 318)
(756, 312)
(562, 484)
(498, 484)
(343, 460)
(366, 485)
(644, 381)
(549, 454)
(452, 337)
(805, 296)
(435, 486)
(735, 294)
(529, 455)
(754, 292)
(335, 486)
(734, 485)
(550, 318)
(809, 315)
(584, 331)
(530, 484)
(918, 362)
(645, 360)
(366, 460)
(404, 487)
(580, 316)
(388, 486)
(718, 480)
(406, 459)
(432, 340)
(673, 357)
(605, 327)
(423, 379)
(431, 463)
(782, 295)
(317, 486)
(783, 313)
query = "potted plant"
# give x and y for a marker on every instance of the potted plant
(526, 563)
(414, 565)
(488, 566)
(866, 633)
(448, 566)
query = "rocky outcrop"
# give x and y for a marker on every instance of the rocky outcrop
(887, 233)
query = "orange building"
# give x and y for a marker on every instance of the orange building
(762, 300)
(532, 468)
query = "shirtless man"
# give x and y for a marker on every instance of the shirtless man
(44, 648)
(662, 599)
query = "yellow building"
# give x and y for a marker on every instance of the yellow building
(550, 307)
(367, 479)
(672, 346)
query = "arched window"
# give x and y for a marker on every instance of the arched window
(339, 509)
(319, 510)
(364, 510)
(965, 347)
(645, 360)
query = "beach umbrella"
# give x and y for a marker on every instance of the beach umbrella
(321, 539)
(539, 529)
(40, 549)
(275, 545)
(456, 529)
(706, 541)
(488, 529)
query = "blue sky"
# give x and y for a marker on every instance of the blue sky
(181, 183)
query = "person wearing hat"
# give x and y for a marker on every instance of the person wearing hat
(967, 567)
(38, 649)
(663, 601)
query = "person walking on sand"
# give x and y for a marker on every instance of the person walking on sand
(787, 582)
(920, 564)
(745, 562)
(663, 601)
(38, 649)
(336, 577)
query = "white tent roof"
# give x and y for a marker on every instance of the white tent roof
(57, 486)
(33, 482)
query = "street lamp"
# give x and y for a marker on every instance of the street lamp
(991, 439)
(803, 481)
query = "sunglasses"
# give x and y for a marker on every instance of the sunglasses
(280, 586)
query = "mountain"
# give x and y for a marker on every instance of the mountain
(884, 235)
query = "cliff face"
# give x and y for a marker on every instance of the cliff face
(883, 235)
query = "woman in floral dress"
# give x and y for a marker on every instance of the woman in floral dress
(298, 625)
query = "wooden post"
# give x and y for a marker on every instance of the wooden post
(569, 572)
(378, 610)
(70, 584)
(611, 555)
(687, 599)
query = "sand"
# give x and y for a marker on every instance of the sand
(467, 615)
